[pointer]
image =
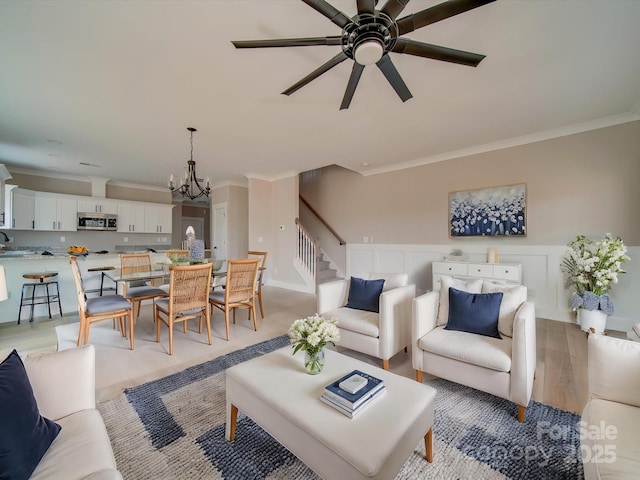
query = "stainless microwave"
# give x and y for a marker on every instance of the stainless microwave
(97, 221)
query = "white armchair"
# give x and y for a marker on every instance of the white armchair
(504, 366)
(610, 444)
(380, 335)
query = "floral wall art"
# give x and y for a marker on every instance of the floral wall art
(497, 211)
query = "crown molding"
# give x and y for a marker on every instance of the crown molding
(272, 178)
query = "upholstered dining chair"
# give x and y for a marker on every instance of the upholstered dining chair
(240, 290)
(138, 291)
(96, 309)
(261, 268)
(188, 298)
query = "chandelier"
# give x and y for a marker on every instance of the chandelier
(189, 185)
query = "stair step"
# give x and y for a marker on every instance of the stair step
(326, 274)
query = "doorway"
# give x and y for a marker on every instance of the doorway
(219, 234)
(196, 223)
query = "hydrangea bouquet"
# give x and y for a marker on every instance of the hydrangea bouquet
(591, 269)
(312, 334)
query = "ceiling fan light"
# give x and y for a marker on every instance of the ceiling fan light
(368, 53)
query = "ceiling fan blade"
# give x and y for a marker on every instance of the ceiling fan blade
(389, 70)
(356, 72)
(435, 14)
(366, 6)
(436, 52)
(287, 42)
(329, 11)
(393, 8)
(341, 57)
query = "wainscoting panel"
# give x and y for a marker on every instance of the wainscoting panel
(540, 266)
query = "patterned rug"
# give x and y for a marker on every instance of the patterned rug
(173, 428)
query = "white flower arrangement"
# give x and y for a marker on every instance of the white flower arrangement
(591, 269)
(313, 333)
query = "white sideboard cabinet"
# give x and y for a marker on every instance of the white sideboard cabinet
(501, 272)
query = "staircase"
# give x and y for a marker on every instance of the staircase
(324, 272)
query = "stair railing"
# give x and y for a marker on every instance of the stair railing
(306, 251)
(323, 221)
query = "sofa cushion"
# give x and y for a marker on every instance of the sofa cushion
(365, 294)
(25, 435)
(474, 312)
(391, 280)
(359, 321)
(480, 350)
(612, 452)
(446, 282)
(81, 449)
(513, 297)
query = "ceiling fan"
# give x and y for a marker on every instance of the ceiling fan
(370, 36)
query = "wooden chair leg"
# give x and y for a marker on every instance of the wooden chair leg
(130, 328)
(208, 320)
(171, 336)
(522, 413)
(226, 320)
(158, 328)
(81, 333)
(419, 376)
(428, 445)
(260, 303)
(252, 308)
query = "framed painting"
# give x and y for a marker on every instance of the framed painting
(491, 212)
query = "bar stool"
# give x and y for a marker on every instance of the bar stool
(32, 300)
(101, 270)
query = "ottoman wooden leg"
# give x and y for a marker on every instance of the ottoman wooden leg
(232, 423)
(428, 445)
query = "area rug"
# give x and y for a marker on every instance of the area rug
(173, 428)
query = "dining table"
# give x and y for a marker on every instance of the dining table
(160, 273)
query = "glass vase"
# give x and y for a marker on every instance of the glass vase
(314, 361)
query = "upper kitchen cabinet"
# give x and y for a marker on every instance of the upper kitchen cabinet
(21, 209)
(158, 218)
(131, 217)
(56, 212)
(97, 205)
(4, 175)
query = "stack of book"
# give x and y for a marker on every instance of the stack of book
(353, 393)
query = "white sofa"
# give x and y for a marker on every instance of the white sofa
(380, 335)
(504, 367)
(610, 442)
(63, 385)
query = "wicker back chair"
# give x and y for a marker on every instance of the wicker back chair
(261, 268)
(189, 287)
(96, 309)
(240, 290)
(138, 291)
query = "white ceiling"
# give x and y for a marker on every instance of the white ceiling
(116, 84)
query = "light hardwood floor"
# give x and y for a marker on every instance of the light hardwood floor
(561, 374)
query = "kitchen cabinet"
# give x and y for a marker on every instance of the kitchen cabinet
(55, 212)
(97, 205)
(22, 209)
(510, 273)
(158, 218)
(131, 217)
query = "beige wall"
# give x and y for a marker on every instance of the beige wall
(50, 184)
(584, 183)
(237, 200)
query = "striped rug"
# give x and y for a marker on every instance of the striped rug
(173, 428)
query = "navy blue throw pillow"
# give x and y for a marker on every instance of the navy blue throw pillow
(25, 435)
(365, 294)
(474, 312)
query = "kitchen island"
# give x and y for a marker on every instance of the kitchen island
(15, 265)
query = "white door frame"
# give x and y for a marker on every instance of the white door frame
(219, 239)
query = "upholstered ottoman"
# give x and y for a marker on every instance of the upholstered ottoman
(276, 392)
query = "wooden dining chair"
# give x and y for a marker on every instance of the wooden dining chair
(96, 309)
(188, 298)
(261, 268)
(138, 291)
(240, 290)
